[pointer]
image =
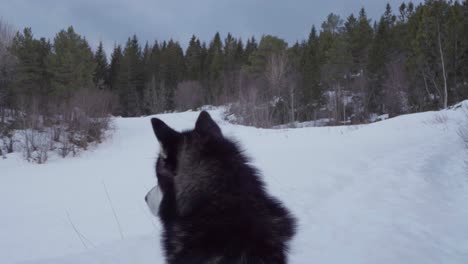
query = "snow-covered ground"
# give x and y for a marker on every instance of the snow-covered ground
(395, 191)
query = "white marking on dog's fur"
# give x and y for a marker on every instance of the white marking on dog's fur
(162, 152)
(153, 200)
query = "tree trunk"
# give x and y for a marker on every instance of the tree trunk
(292, 106)
(443, 67)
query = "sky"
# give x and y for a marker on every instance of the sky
(113, 21)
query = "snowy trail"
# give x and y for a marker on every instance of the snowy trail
(389, 192)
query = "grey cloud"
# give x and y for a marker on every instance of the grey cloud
(115, 20)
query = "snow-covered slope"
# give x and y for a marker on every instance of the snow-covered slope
(390, 192)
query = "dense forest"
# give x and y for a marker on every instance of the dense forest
(414, 58)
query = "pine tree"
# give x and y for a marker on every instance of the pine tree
(388, 16)
(360, 43)
(173, 71)
(214, 64)
(205, 74)
(131, 79)
(239, 54)
(101, 73)
(153, 100)
(114, 69)
(230, 50)
(32, 77)
(312, 94)
(72, 64)
(232, 63)
(250, 47)
(379, 54)
(268, 45)
(193, 59)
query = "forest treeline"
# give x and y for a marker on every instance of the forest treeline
(412, 59)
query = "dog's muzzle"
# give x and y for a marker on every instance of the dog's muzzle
(153, 199)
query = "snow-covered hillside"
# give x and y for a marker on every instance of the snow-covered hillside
(390, 192)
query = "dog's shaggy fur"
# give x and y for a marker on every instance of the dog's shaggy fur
(214, 206)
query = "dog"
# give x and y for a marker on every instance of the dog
(212, 203)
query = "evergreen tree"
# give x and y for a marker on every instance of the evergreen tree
(379, 54)
(388, 16)
(114, 69)
(312, 93)
(72, 64)
(32, 77)
(131, 79)
(205, 74)
(268, 45)
(172, 71)
(250, 47)
(215, 64)
(232, 63)
(231, 55)
(239, 57)
(153, 100)
(360, 43)
(101, 73)
(193, 57)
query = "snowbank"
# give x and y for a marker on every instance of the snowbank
(395, 191)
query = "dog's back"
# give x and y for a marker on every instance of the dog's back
(215, 208)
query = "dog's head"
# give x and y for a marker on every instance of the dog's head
(185, 161)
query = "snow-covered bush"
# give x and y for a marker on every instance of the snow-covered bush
(64, 127)
(36, 145)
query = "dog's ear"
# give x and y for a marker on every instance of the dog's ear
(165, 135)
(206, 124)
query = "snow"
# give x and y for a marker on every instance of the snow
(395, 191)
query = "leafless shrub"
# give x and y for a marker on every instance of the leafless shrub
(439, 118)
(188, 95)
(65, 127)
(66, 148)
(36, 138)
(252, 108)
(36, 145)
(57, 132)
(30, 124)
(276, 71)
(8, 142)
(43, 145)
(269, 99)
(87, 116)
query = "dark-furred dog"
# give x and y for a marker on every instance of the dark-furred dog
(214, 207)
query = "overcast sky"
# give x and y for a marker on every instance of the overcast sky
(115, 20)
